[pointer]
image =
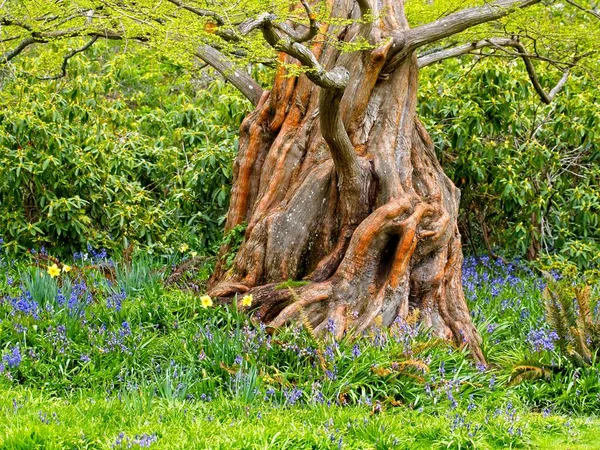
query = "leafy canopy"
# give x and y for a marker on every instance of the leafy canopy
(557, 31)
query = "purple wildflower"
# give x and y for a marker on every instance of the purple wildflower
(13, 357)
(330, 327)
(542, 339)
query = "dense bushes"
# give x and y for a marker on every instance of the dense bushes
(124, 149)
(529, 172)
(133, 149)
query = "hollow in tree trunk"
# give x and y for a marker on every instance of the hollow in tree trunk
(342, 188)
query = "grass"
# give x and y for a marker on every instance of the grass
(31, 419)
(107, 356)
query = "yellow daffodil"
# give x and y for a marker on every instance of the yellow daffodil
(247, 300)
(194, 254)
(66, 268)
(183, 248)
(206, 301)
(53, 270)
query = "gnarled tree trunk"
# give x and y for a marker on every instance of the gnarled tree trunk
(341, 187)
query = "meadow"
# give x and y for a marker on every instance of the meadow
(99, 352)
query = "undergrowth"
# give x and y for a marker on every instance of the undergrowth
(166, 368)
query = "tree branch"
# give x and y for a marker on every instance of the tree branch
(336, 79)
(342, 151)
(436, 55)
(446, 53)
(596, 14)
(365, 7)
(233, 34)
(68, 56)
(242, 81)
(5, 21)
(310, 33)
(198, 11)
(546, 98)
(7, 56)
(500, 43)
(406, 42)
(332, 83)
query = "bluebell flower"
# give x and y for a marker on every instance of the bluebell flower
(13, 358)
(60, 298)
(125, 329)
(471, 406)
(115, 300)
(542, 339)
(329, 354)
(330, 327)
(269, 393)
(25, 304)
(331, 374)
(450, 395)
(292, 395)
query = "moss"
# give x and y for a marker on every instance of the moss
(291, 284)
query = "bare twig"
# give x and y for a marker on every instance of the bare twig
(501, 43)
(68, 56)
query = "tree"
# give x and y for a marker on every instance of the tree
(336, 178)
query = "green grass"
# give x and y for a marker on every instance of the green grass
(32, 419)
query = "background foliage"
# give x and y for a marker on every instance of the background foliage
(529, 172)
(135, 149)
(127, 148)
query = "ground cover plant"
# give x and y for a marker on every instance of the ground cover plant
(103, 353)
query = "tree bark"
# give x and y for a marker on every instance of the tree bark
(342, 188)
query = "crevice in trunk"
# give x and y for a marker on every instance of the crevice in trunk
(388, 256)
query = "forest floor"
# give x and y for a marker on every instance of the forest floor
(91, 358)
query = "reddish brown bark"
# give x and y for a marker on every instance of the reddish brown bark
(342, 188)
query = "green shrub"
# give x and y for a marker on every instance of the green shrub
(124, 150)
(529, 173)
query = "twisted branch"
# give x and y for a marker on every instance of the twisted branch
(407, 41)
(68, 56)
(500, 43)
